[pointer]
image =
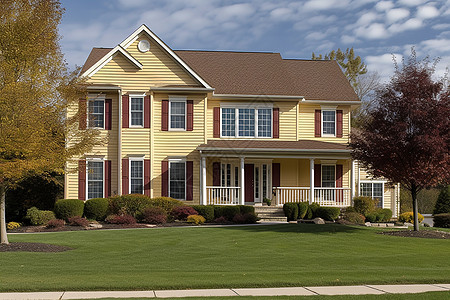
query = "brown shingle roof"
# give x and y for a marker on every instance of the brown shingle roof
(281, 145)
(95, 55)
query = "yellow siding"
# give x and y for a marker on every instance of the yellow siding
(306, 124)
(159, 69)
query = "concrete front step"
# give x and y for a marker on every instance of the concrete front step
(278, 215)
(270, 214)
(273, 219)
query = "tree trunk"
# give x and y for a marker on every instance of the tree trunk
(415, 207)
(3, 234)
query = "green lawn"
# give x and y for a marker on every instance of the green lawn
(229, 257)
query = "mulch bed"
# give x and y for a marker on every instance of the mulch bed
(426, 234)
(32, 247)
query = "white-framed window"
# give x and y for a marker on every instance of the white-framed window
(177, 114)
(328, 122)
(244, 121)
(95, 174)
(329, 176)
(96, 113)
(373, 189)
(136, 111)
(177, 179)
(136, 175)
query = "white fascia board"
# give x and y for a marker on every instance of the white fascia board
(332, 102)
(107, 58)
(273, 150)
(129, 40)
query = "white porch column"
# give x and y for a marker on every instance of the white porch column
(353, 180)
(204, 197)
(242, 185)
(311, 180)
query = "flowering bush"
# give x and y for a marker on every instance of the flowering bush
(12, 225)
(196, 219)
(56, 223)
(408, 217)
(182, 212)
(78, 221)
(154, 215)
(120, 219)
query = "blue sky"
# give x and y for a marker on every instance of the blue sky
(376, 29)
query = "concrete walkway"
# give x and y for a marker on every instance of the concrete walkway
(285, 291)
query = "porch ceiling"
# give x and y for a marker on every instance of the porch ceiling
(274, 148)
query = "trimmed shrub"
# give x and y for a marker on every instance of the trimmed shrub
(247, 218)
(372, 217)
(166, 203)
(354, 217)
(196, 219)
(182, 212)
(39, 217)
(302, 209)
(291, 211)
(442, 220)
(246, 209)
(442, 205)
(154, 215)
(96, 209)
(350, 209)
(226, 211)
(78, 221)
(206, 211)
(120, 219)
(364, 205)
(408, 217)
(384, 214)
(131, 204)
(55, 223)
(68, 208)
(328, 213)
(12, 225)
(221, 220)
(309, 214)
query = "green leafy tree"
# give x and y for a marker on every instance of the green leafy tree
(442, 205)
(35, 89)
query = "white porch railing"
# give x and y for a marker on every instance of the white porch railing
(219, 195)
(338, 197)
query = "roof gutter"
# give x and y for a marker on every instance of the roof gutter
(99, 87)
(181, 89)
(345, 151)
(331, 102)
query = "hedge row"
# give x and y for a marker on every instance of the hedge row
(303, 210)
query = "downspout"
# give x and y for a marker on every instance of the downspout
(119, 146)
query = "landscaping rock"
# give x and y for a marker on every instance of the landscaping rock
(95, 225)
(408, 224)
(292, 222)
(368, 224)
(318, 221)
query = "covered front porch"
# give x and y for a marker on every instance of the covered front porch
(247, 172)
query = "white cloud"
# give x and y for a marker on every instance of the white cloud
(234, 11)
(373, 31)
(281, 13)
(383, 64)
(132, 3)
(314, 5)
(441, 26)
(396, 14)
(436, 46)
(347, 39)
(316, 36)
(367, 18)
(427, 12)
(408, 25)
(384, 5)
(412, 2)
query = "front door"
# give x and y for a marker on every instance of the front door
(249, 182)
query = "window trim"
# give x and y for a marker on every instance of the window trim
(372, 182)
(177, 160)
(321, 174)
(256, 107)
(130, 159)
(92, 99)
(177, 99)
(95, 159)
(321, 122)
(142, 96)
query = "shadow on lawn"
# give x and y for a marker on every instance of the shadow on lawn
(301, 228)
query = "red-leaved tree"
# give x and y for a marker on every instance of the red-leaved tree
(406, 136)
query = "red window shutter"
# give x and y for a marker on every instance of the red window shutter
(190, 115)
(125, 111)
(216, 174)
(318, 123)
(125, 176)
(276, 122)
(108, 113)
(165, 115)
(107, 180)
(339, 174)
(339, 123)
(318, 175)
(82, 180)
(165, 178)
(189, 180)
(147, 177)
(147, 111)
(216, 122)
(82, 110)
(276, 176)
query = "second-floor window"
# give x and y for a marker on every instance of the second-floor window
(246, 122)
(96, 114)
(177, 115)
(137, 111)
(329, 122)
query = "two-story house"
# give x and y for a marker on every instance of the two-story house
(218, 127)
